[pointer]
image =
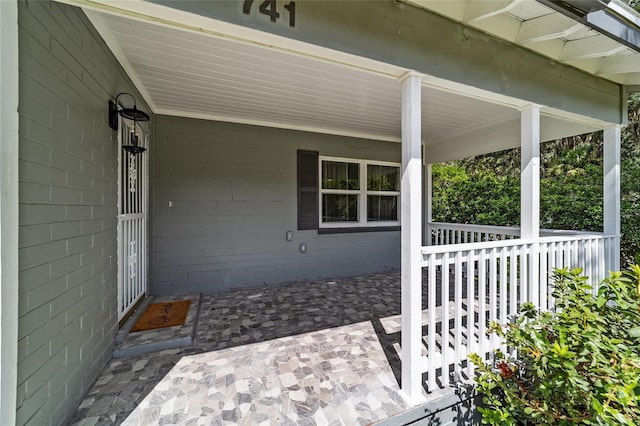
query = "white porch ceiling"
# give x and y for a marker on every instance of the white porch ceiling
(537, 27)
(205, 74)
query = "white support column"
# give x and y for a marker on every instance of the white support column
(530, 198)
(530, 173)
(8, 209)
(411, 236)
(611, 207)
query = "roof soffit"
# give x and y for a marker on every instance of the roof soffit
(540, 26)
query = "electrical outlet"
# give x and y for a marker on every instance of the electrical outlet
(303, 247)
(289, 236)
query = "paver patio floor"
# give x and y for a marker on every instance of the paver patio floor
(299, 353)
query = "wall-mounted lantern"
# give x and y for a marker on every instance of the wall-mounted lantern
(133, 114)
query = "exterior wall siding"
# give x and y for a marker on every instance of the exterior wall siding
(234, 195)
(68, 198)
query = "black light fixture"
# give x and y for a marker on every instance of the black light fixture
(134, 148)
(133, 114)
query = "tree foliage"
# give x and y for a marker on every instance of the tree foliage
(634, 4)
(630, 183)
(486, 189)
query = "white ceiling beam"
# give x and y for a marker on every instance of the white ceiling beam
(504, 26)
(549, 48)
(621, 64)
(593, 66)
(478, 10)
(547, 27)
(591, 47)
(452, 9)
(631, 79)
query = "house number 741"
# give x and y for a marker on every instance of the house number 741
(268, 7)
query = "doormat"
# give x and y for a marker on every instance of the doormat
(161, 315)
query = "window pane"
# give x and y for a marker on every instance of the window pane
(339, 175)
(382, 178)
(382, 208)
(339, 208)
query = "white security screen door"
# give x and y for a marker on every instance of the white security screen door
(132, 217)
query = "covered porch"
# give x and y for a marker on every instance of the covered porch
(318, 352)
(329, 351)
(200, 68)
(232, 103)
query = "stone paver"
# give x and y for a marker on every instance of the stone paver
(298, 353)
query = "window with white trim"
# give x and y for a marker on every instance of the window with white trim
(358, 193)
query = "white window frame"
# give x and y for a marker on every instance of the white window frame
(361, 193)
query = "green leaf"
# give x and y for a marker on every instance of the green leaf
(635, 332)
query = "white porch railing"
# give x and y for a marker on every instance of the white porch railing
(470, 285)
(459, 233)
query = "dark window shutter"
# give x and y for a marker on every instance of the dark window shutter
(307, 190)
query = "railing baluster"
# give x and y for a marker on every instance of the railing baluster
(544, 277)
(559, 254)
(471, 310)
(445, 318)
(602, 273)
(524, 276)
(502, 295)
(432, 295)
(458, 313)
(553, 259)
(513, 280)
(493, 289)
(534, 272)
(589, 261)
(482, 303)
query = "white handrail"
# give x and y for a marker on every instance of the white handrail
(442, 233)
(468, 226)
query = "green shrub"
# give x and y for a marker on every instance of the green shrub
(577, 365)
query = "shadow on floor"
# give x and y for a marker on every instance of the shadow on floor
(247, 316)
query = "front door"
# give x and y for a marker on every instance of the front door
(132, 217)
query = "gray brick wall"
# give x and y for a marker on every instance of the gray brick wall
(68, 196)
(234, 194)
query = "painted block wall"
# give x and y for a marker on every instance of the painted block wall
(234, 196)
(67, 194)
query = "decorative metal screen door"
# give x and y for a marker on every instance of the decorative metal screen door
(132, 218)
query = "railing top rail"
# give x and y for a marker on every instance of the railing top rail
(474, 227)
(580, 237)
(452, 248)
(509, 229)
(562, 232)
